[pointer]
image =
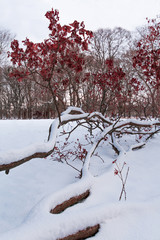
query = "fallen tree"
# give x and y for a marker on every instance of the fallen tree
(106, 130)
(92, 121)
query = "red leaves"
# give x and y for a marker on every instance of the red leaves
(65, 82)
(67, 151)
(19, 75)
(14, 44)
(18, 53)
(109, 63)
(114, 161)
(62, 49)
(85, 46)
(53, 17)
(115, 171)
(136, 84)
(66, 28)
(147, 56)
(111, 78)
(75, 24)
(51, 60)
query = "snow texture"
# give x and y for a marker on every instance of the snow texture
(31, 190)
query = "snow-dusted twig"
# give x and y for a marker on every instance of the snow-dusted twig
(119, 172)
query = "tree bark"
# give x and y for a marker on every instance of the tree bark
(83, 234)
(70, 202)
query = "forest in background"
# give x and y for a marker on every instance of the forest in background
(117, 74)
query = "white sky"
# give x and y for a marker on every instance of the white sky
(25, 18)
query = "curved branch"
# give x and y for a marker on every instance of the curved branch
(7, 167)
(70, 115)
(108, 131)
(48, 149)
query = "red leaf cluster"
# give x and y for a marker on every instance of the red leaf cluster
(115, 171)
(62, 49)
(147, 56)
(111, 78)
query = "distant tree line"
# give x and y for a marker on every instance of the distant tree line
(112, 71)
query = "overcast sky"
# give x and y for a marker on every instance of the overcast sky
(25, 18)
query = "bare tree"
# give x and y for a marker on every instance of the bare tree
(5, 39)
(108, 43)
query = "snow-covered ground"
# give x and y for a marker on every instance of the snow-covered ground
(29, 192)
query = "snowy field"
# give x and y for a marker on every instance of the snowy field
(29, 191)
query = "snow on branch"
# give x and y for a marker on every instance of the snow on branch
(14, 158)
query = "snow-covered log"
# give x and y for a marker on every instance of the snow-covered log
(12, 159)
